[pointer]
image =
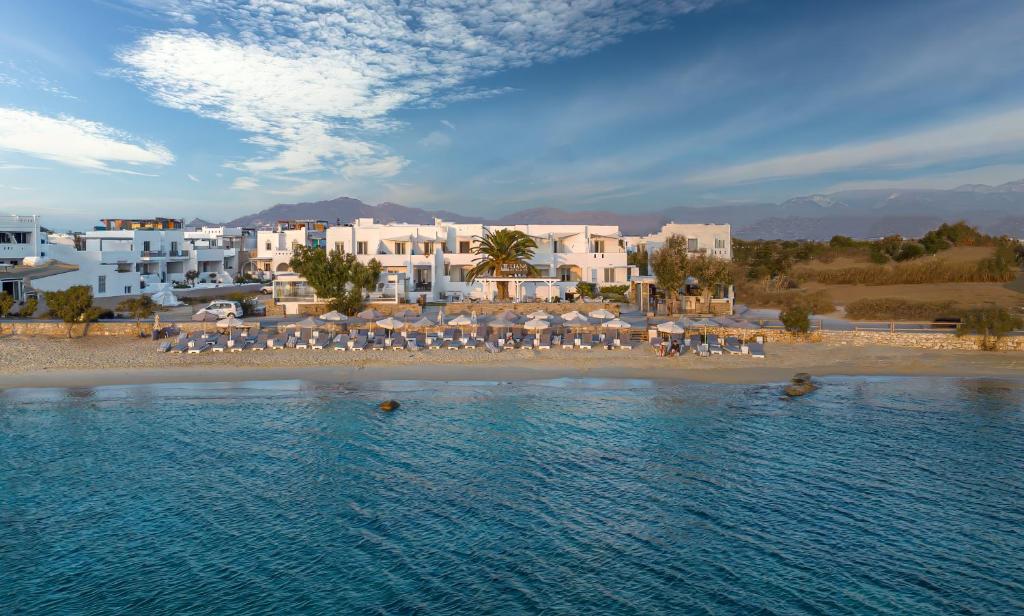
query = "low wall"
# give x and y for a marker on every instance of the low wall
(526, 307)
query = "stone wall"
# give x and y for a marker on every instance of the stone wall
(526, 307)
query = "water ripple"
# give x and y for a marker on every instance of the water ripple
(871, 496)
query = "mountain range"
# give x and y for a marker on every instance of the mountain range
(856, 213)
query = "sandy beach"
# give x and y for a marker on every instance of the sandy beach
(82, 362)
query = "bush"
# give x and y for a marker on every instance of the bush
(757, 296)
(73, 305)
(6, 303)
(989, 323)
(910, 250)
(29, 308)
(615, 292)
(876, 255)
(995, 269)
(586, 289)
(796, 319)
(141, 307)
(896, 309)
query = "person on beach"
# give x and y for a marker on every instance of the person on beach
(673, 350)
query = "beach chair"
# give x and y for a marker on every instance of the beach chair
(544, 342)
(360, 343)
(340, 342)
(695, 343)
(302, 339)
(568, 340)
(411, 344)
(164, 347)
(449, 334)
(200, 347)
(471, 342)
(714, 347)
(321, 341)
(732, 345)
(220, 345)
(491, 347)
(586, 341)
(377, 344)
(756, 350)
(455, 344)
(399, 343)
(260, 344)
(528, 341)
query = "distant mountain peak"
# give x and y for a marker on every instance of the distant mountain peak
(817, 201)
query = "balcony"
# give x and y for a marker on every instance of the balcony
(178, 254)
(153, 254)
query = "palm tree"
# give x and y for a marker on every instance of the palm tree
(497, 251)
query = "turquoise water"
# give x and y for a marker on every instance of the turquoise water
(902, 496)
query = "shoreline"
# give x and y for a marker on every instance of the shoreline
(47, 363)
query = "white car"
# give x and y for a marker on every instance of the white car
(267, 289)
(223, 309)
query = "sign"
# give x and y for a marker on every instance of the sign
(513, 269)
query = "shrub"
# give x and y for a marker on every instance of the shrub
(29, 308)
(141, 307)
(6, 303)
(910, 250)
(876, 255)
(796, 319)
(995, 269)
(73, 305)
(615, 292)
(989, 323)
(586, 289)
(897, 309)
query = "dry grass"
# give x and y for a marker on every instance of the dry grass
(898, 309)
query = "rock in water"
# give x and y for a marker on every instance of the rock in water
(801, 385)
(389, 405)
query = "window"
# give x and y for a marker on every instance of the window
(428, 248)
(691, 244)
(268, 244)
(360, 248)
(101, 284)
(340, 247)
(556, 246)
(719, 242)
(565, 274)
(145, 246)
(598, 246)
(609, 274)
(400, 248)
(128, 289)
(464, 247)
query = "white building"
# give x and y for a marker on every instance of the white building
(432, 260)
(708, 239)
(274, 247)
(20, 238)
(219, 254)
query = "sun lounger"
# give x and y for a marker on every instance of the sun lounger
(732, 345)
(220, 345)
(398, 343)
(377, 344)
(695, 342)
(587, 341)
(756, 350)
(260, 344)
(544, 343)
(449, 334)
(471, 343)
(491, 347)
(568, 341)
(200, 347)
(359, 344)
(528, 342)
(340, 342)
(714, 347)
(303, 338)
(455, 344)
(322, 340)
(164, 347)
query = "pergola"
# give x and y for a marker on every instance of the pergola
(515, 283)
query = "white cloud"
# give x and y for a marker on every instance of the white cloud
(436, 139)
(965, 140)
(192, 177)
(245, 183)
(309, 78)
(447, 124)
(76, 142)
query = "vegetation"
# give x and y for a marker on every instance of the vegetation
(994, 269)
(896, 309)
(73, 305)
(28, 308)
(248, 303)
(989, 323)
(338, 278)
(615, 292)
(818, 302)
(669, 264)
(138, 308)
(245, 278)
(6, 303)
(640, 259)
(191, 276)
(586, 289)
(500, 252)
(796, 318)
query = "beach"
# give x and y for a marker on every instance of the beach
(94, 361)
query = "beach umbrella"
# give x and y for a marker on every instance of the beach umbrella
(231, 322)
(204, 317)
(508, 315)
(307, 323)
(601, 313)
(616, 324)
(370, 314)
(334, 316)
(575, 315)
(404, 314)
(498, 322)
(536, 324)
(391, 323)
(461, 320)
(670, 327)
(422, 322)
(540, 314)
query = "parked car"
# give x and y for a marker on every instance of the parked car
(223, 308)
(267, 289)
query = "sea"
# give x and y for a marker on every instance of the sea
(869, 496)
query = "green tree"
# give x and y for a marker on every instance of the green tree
(28, 308)
(338, 278)
(711, 273)
(190, 277)
(586, 289)
(6, 303)
(248, 303)
(141, 307)
(910, 250)
(669, 264)
(501, 251)
(639, 258)
(990, 323)
(73, 305)
(796, 318)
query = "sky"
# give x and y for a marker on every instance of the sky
(218, 108)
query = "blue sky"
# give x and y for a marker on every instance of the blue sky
(216, 108)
